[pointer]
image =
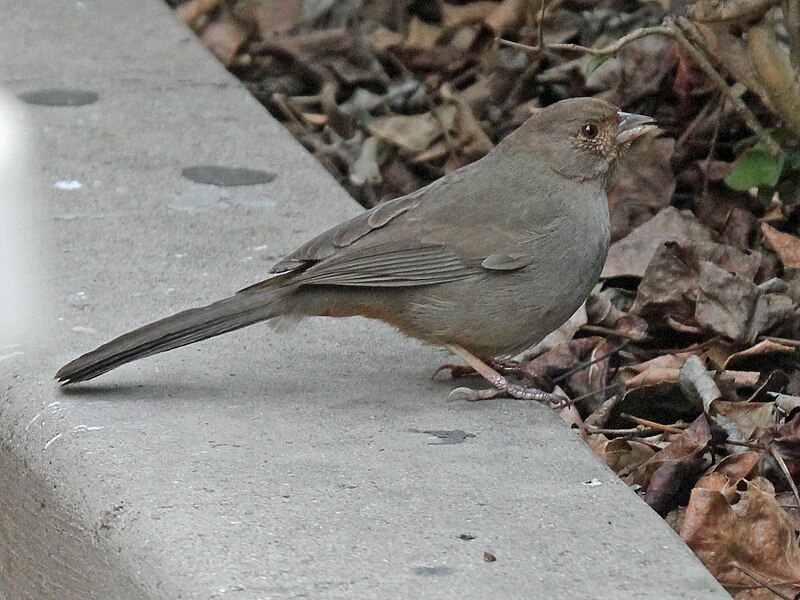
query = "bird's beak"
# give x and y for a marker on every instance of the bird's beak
(631, 127)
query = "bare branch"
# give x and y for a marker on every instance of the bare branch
(610, 49)
(681, 24)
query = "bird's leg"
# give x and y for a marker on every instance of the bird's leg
(501, 383)
(504, 367)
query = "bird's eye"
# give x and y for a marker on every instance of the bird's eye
(589, 131)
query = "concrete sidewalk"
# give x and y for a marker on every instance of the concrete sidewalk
(256, 465)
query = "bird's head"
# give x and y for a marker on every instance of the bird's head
(581, 138)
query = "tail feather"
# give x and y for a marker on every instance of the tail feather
(172, 332)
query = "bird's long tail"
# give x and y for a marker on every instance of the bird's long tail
(178, 330)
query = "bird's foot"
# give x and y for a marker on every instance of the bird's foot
(509, 389)
(502, 386)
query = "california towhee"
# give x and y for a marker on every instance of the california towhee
(485, 261)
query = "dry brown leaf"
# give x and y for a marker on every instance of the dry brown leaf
(507, 15)
(422, 35)
(637, 71)
(641, 184)
(669, 285)
(269, 16)
(653, 376)
(737, 466)
(668, 472)
(560, 358)
(382, 39)
(753, 532)
(705, 11)
(735, 307)
(624, 457)
(785, 245)
(742, 420)
(413, 133)
(189, 12)
(661, 402)
(464, 14)
(631, 255)
(223, 39)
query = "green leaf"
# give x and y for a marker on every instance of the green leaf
(596, 61)
(758, 168)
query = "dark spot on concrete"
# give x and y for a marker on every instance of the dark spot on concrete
(433, 571)
(489, 557)
(466, 537)
(59, 97)
(448, 436)
(226, 176)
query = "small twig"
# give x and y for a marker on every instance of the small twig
(760, 581)
(594, 393)
(683, 327)
(779, 340)
(651, 424)
(638, 431)
(586, 365)
(674, 429)
(693, 348)
(785, 470)
(610, 49)
(751, 445)
(712, 146)
(688, 132)
(677, 28)
(539, 26)
(611, 332)
(680, 28)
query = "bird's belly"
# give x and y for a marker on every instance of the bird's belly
(492, 316)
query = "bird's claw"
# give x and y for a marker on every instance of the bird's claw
(470, 395)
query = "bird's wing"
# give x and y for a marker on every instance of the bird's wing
(392, 264)
(331, 242)
(424, 238)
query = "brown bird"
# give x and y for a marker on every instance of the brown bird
(485, 261)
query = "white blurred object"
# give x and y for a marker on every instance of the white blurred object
(20, 299)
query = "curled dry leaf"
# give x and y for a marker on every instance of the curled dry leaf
(697, 384)
(749, 529)
(763, 354)
(600, 310)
